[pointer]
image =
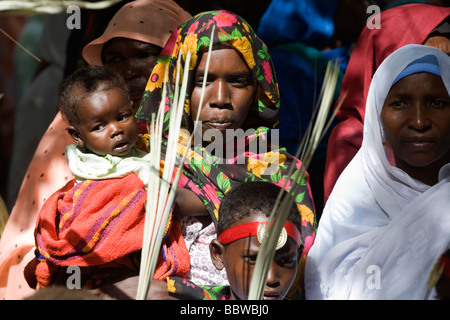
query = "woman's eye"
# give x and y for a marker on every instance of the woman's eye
(199, 81)
(398, 104)
(113, 59)
(148, 54)
(240, 83)
(437, 103)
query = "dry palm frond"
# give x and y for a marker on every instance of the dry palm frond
(161, 192)
(305, 153)
(28, 7)
(3, 216)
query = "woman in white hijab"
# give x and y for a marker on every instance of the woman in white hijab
(385, 224)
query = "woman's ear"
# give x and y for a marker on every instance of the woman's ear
(75, 135)
(216, 250)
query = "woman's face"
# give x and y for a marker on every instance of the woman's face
(416, 120)
(229, 93)
(107, 124)
(134, 61)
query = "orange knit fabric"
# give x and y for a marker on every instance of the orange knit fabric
(99, 223)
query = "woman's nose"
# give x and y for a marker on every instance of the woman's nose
(419, 117)
(220, 94)
(128, 69)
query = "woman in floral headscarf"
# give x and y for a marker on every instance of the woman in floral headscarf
(206, 173)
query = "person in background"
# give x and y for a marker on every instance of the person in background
(128, 47)
(48, 170)
(12, 26)
(58, 49)
(406, 24)
(311, 34)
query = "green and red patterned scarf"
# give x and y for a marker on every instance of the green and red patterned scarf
(194, 35)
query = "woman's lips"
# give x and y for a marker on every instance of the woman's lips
(419, 143)
(136, 90)
(219, 125)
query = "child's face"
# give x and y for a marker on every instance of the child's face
(239, 257)
(107, 124)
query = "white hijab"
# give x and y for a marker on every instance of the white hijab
(381, 231)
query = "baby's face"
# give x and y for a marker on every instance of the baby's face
(240, 256)
(107, 124)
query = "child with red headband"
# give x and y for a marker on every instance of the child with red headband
(244, 213)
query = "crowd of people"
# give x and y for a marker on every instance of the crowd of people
(366, 219)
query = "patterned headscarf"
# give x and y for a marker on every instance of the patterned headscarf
(194, 35)
(203, 173)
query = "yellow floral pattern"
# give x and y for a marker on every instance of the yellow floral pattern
(157, 77)
(306, 213)
(245, 47)
(267, 160)
(190, 44)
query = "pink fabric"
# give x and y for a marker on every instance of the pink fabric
(47, 172)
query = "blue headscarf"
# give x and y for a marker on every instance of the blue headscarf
(310, 22)
(427, 63)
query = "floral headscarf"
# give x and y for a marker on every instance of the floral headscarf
(194, 35)
(204, 174)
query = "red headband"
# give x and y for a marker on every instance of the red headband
(258, 228)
